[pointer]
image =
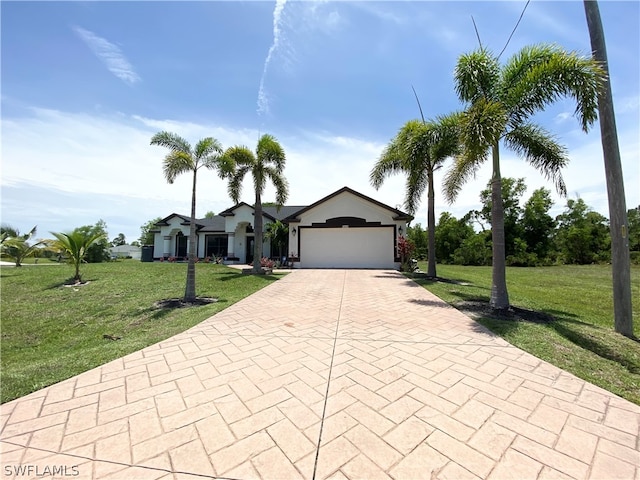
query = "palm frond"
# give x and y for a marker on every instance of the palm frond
(207, 147)
(481, 127)
(476, 75)
(446, 138)
(540, 75)
(463, 168)
(280, 182)
(234, 187)
(241, 156)
(417, 182)
(389, 163)
(172, 141)
(175, 163)
(541, 150)
(269, 151)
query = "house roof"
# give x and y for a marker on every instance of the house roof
(398, 214)
(286, 213)
(270, 211)
(215, 224)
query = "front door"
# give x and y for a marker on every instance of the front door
(181, 245)
(249, 252)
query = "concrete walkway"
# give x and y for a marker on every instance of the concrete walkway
(325, 374)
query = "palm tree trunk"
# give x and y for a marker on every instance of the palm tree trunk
(620, 261)
(190, 289)
(257, 240)
(499, 294)
(431, 226)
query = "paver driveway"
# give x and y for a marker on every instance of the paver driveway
(325, 374)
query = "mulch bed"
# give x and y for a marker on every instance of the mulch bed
(180, 303)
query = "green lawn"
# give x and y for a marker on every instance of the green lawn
(579, 339)
(51, 332)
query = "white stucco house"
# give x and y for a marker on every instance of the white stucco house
(343, 230)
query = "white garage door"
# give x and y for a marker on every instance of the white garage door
(370, 247)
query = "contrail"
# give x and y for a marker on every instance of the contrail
(263, 100)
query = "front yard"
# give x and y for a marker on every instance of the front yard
(572, 309)
(51, 332)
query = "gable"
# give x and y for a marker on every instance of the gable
(348, 207)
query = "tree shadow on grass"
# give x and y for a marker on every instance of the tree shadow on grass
(600, 341)
(606, 344)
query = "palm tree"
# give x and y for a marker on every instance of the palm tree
(182, 158)
(76, 244)
(418, 150)
(620, 259)
(17, 246)
(278, 233)
(501, 100)
(266, 164)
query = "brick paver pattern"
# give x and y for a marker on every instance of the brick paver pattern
(325, 374)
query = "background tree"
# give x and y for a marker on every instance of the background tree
(278, 233)
(621, 269)
(418, 150)
(538, 226)
(209, 214)
(98, 251)
(583, 235)
(17, 246)
(182, 159)
(420, 240)
(450, 234)
(76, 245)
(267, 163)
(512, 191)
(119, 240)
(500, 102)
(146, 233)
(633, 217)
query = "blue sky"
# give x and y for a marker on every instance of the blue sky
(85, 85)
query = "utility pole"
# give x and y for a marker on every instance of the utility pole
(620, 261)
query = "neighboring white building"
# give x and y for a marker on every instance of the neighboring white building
(343, 230)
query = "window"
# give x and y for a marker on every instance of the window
(216, 246)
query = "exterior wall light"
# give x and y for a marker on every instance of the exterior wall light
(294, 231)
(400, 230)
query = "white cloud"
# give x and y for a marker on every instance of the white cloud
(110, 55)
(73, 169)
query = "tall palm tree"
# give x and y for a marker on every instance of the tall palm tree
(267, 163)
(501, 100)
(418, 150)
(182, 158)
(620, 259)
(76, 244)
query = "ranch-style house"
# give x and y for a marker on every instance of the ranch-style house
(343, 230)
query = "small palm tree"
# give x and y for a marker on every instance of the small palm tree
(418, 150)
(278, 233)
(16, 246)
(501, 100)
(181, 159)
(267, 163)
(76, 244)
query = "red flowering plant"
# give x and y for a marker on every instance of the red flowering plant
(405, 251)
(267, 262)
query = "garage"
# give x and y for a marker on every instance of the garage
(347, 247)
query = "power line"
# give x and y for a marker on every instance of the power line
(514, 28)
